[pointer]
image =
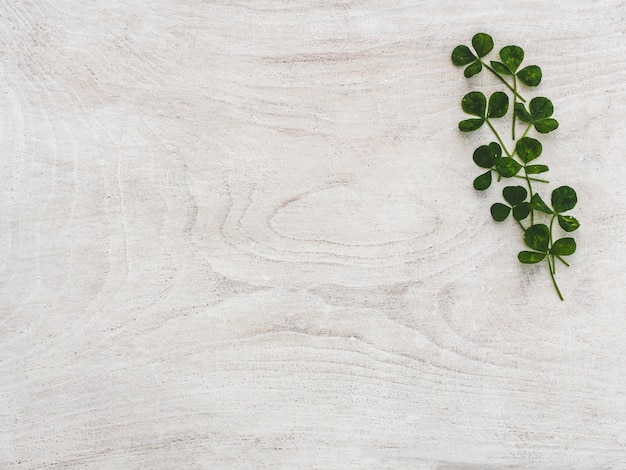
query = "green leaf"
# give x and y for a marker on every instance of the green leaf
(485, 157)
(470, 125)
(540, 108)
(512, 57)
(500, 211)
(568, 223)
(483, 44)
(514, 195)
(530, 76)
(521, 211)
(495, 149)
(472, 69)
(530, 257)
(521, 113)
(483, 181)
(500, 68)
(474, 103)
(537, 204)
(563, 247)
(563, 199)
(507, 167)
(537, 237)
(498, 104)
(461, 55)
(528, 149)
(546, 125)
(536, 169)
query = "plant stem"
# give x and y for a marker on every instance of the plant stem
(508, 154)
(558, 291)
(514, 101)
(563, 261)
(531, 179)
(488, 67)
(551, 243)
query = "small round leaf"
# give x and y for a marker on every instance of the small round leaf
(461, 55)
(500, 68)
(500, 211)
(474, 103)
(528, 149)
(530, 76)
(470, 125)
(537, 237)
(536, 169)
(521, 113)
(537, 204)
(484, 156)
(512, 57)
(563, 247)
(483, 181)
(472, 69)
(530, 257)
(521, 211)
(483, 44)
(514, 195)
(568, 223)
(498, 104)
(507, 167)
(563, 199)
(540, 108)
(546, 125)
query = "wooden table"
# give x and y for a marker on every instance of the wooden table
(243, 234)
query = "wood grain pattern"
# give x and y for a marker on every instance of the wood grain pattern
(231, 237)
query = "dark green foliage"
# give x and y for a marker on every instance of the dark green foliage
(522, 202)
(540, 110)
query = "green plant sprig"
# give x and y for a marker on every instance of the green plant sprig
(518, 162)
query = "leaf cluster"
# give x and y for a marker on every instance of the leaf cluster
(498, 162)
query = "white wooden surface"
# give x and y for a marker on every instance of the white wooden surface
(242, 234)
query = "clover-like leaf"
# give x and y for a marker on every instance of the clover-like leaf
(528, 149)
(512, 57)
(537, 237)
(461, 55)
(469, 125)
(568, 223)
(482, 43)
(473, 69)
(498, 104)
(500, 68)
(474, 103)
(514, 195)
(521, 211)
(563, 247)
(500, 211)
(530, 257)
(563, 199)
(530, 76)
(521, 113)
(540, 108)
(536, 169)
(483, 181)
(507, 167)
(546, 125)
(486, 156)
(537, 204)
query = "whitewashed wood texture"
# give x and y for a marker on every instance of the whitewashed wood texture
(242, 234)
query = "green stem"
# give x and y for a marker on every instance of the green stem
(514, 101)
(558, 291)
(488, 67)
(563, 261)
(508, 154)
(551, 243)
(531, 179)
